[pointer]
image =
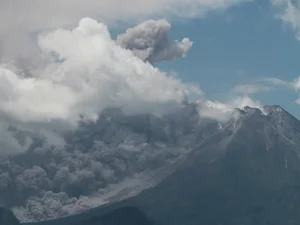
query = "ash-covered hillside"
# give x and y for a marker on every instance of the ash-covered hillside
(114, 158)
(246, 173)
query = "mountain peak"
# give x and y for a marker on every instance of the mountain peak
(270, 109)
(248, 112)
(280, 115)
(251, 110)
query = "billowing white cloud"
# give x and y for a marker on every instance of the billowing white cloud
(89, 72)
(149, 41)
(239, 98)
(223, 111)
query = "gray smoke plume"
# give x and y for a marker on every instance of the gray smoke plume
(150, 42)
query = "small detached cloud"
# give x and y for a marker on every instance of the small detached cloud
(249, 89)
(292, 85)
(150, 42)
(289, 13)
(296, 84)
(222, 111)
(276, 81)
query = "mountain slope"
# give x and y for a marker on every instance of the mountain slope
(248, 173)
(121, 216)
(249, 176)
(7, 217)
(105, 161)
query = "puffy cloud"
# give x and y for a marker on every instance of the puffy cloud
(240, 97)
(289, 13)
(224, 111)
(149, 41)
(89, 73)
(33, 179)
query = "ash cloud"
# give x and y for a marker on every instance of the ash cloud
(49, 153)
(21, 20)
(150, 42)
(78, 73)
(99, 161)
(88, 72)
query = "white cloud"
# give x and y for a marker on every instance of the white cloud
(293, 85)
(240, 97)
(90, 72)
(149, 41)
(223, 111)
(248, 89)
(289, 13)
(276, 81)
(296, 84)
(35, 15)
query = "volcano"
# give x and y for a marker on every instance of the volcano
(246, 173)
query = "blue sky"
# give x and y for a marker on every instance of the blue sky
(239, 46)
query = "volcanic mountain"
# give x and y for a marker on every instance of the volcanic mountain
(247, 172)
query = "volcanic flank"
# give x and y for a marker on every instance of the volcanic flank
(247, 172)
